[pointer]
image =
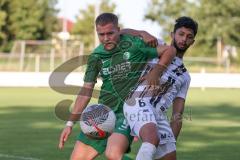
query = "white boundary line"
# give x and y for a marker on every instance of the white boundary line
(17, 157)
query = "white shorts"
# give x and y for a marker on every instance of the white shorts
(138, 114)
(141, 112)
(164, 149)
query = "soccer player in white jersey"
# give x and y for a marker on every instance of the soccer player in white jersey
(145, 108)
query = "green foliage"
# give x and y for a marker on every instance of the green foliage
(4, 9)
(217, 19)
(26, 19)
(2, 23)
(84, 26)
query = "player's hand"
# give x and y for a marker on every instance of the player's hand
(64, 136)
(153, 77)
(152, 80)
(149, 39)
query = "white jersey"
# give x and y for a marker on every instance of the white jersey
(173, 83)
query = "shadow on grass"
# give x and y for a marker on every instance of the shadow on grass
(212, 134)
(33, 132)
(220, 111)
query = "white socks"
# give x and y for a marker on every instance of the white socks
(146, 151)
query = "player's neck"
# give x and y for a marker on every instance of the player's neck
(180, 54)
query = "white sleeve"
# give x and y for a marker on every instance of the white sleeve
(161, 42)
(182, 93)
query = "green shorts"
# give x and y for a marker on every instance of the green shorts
(100, 145)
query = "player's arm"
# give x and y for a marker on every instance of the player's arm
(81, 102)
(147, 37)
(166, 55)
(178, 109)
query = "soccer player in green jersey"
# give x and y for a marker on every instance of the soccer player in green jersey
(119, 60)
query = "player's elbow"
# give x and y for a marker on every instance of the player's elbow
(167, 51)
(113, 154)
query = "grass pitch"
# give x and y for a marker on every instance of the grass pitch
(29, 129)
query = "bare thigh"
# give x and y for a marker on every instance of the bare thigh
(117, 145)
(169, 156)
(82, 151)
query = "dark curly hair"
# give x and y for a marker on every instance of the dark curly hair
(186, 22)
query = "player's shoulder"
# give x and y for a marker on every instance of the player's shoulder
(187, 75)
(100, 52)
(132, 39)
(181, 67)
(99, 49)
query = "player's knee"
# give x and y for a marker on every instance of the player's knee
(114, 154)
(148, 133)
(168, 156)
(80, 156)
(155, 140)
(77, 157)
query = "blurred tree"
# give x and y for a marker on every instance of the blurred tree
(216, 19)
(26, 19)
(2, 23)
(4, 31)
(84, 26)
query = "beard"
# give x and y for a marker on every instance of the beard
(109, 46)
(182, 50)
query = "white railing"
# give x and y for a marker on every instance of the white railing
(41, 79)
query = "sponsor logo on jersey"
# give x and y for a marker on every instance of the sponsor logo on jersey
(126, 55)
(105, 61)
(124, 67)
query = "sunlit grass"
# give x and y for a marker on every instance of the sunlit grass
(29, 127)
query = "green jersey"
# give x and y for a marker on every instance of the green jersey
(119, 69)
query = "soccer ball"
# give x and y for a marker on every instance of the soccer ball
(97, 121)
